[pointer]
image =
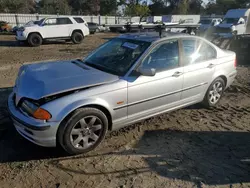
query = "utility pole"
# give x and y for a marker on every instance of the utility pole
(115, 11)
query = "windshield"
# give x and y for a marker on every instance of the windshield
(117, 55)
(230, 20)
(205, 21)
(31, 23)
(40, 21)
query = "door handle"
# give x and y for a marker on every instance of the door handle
(177, 74)
(210, 65)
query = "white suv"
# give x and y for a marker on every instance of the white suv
(64, 28)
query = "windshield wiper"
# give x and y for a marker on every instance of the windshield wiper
(86, 63)
(101, 68)
(80, 60)
(93, 65)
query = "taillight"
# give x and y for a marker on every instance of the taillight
(235, 62)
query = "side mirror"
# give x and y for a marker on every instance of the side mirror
(241, 22)
(147, 71)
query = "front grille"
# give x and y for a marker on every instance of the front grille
(223, 30)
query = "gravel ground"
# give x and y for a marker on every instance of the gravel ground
(191, 147)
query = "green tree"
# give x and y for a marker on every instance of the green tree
(94, 7)
(158, 7)
(17, 6)
(54, 7)
(108, 7)
(137, 10)
(182, 7)
(78, 6)
(222, 6)
(85, 7)
(195, 7)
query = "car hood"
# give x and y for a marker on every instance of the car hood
(36, 81)
(29, 25)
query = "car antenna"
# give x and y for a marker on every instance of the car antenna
(159, 29)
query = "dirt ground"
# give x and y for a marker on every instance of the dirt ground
(191, 147)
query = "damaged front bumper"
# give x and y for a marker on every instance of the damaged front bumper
(37, 131)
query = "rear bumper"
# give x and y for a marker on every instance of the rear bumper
(39, 132)
(231, 78)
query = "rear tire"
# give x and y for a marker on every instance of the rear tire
(35, 40)
(77, 38)
(214, 93)
(83, 131)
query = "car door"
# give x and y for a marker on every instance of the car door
(65, 25)
(49, 29)
(56, 27)
(151, 94)
(199, 66)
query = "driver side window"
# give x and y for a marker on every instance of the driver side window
(51, 21)
(163, 57)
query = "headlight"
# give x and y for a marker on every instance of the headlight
(233, 28)
(28, 107)
(35, 111)
(21, 29)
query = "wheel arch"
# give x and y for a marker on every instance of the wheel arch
(77, 30)
(34, 33)
(98, 106)
(224, 78)
(222, 75)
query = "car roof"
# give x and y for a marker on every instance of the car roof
(51, 17)
(151, 36)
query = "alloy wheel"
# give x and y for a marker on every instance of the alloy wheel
(86, 132)
(215, 92)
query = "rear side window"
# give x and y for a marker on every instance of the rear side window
(206, 52)
(63, 21)
(78, 20)
(197, 51)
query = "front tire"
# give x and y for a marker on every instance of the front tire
(77, 38)
(214, 93)
(35, 40)
(83, 131)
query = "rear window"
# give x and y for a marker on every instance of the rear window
(78, 20)
(92, 24)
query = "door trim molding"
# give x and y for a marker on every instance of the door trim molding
(160, 96)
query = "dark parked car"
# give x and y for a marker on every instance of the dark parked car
(93, 27)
